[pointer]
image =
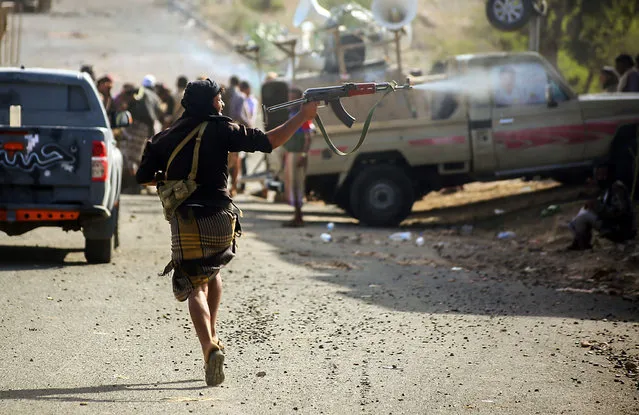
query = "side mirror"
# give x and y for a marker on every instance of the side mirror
(121, 119)
(550, 100)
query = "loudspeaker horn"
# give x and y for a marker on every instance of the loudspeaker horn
(310, 10)
(394, 14)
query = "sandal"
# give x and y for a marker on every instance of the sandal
(214, 367)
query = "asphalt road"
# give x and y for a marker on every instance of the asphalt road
(359, 325)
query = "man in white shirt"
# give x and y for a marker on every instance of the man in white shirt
(629, 81)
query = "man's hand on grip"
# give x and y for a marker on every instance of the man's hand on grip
(309, 110)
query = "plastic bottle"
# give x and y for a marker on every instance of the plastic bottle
(401, 236)
(326, 237)
(330, 226)
(506, 235)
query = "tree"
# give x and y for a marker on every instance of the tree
(596, 32)
(587, 33)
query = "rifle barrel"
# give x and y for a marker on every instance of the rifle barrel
(286, 105)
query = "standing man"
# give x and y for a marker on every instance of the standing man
(249, 112)
(229, 94)
(249, 116)
(88, 69)
(104, 85)
(148, 105)
(629, 76)
(295, 162)
(235, 101)
(181, 83)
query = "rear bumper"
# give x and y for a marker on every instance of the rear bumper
(51, 213)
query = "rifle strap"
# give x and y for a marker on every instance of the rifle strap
(362, 137)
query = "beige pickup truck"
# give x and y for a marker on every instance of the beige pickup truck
(488, 117)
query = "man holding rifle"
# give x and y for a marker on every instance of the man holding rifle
(203, 223)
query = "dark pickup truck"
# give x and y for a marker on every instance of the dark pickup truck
(59, 163)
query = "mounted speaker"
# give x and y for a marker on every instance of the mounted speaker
(394, 14)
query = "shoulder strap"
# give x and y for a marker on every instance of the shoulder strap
(362, 137)
(181, 145)
(196, 151)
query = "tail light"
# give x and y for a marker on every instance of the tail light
(99, 165)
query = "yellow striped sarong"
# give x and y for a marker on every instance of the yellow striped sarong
(202, 242)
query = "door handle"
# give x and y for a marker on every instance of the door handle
(506, 121)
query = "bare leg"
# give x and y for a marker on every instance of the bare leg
(214, 298)
(201, 317)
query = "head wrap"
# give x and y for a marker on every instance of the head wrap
(148, 81)
(198, 98)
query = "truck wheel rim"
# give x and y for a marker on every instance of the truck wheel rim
(381, 196)
(508, 11)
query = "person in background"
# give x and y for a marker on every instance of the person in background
(148, 105)
(612, 213)
(178, 109)
(295, 163)
(249, 112)
(130, 139)
(249, 119)
(167, 105)
(629, 81)
(234, 98)
(89, 70)
(271, 76)
(608, 79)
(230, 92)
(145, 108)
(104, 86)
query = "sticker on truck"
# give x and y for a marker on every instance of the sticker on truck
(16, 154)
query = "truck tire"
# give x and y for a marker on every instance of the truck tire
(100, 251)
(382, 195)
(509, 15)
(44, 6)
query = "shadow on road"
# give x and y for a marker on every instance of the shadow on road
(16, 258)
(70, 394)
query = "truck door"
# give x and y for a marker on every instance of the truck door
(530, 135)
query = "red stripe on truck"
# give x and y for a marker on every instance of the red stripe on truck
(438, 141)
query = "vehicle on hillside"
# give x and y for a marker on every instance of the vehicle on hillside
(59, 163)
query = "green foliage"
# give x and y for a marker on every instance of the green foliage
(581, 36)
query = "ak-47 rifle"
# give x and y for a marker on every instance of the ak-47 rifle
(332, 95)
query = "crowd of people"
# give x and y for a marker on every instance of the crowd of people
(154, 106)
(623, 77)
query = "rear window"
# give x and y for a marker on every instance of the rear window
(43, 97)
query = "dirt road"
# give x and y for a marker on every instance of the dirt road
(358, 325)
